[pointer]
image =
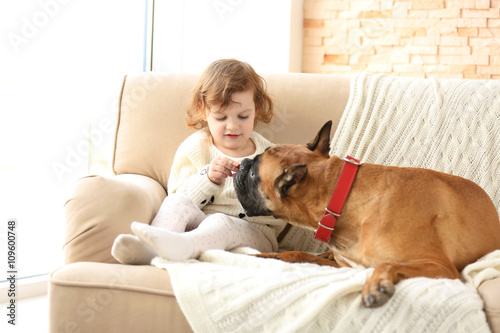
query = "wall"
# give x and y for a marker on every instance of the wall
(419, 38)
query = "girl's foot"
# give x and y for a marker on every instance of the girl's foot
(169, 245)
(129, 250)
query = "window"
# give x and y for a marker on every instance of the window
(190, 34)
(62, 67)
(61, 72)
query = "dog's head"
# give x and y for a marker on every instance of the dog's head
(276, 181)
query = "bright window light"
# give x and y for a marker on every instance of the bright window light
(60, 75)
(190, 34)
(61, 72)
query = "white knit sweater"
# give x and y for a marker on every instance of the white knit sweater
(189, 177)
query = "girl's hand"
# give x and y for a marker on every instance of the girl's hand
(221, 168)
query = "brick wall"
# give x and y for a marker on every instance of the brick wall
(419, 38)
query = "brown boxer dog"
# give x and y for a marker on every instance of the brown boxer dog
(404, 222)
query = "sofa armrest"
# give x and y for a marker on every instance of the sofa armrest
(490, 293)
(101, 208)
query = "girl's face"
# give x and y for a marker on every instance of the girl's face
(231, 127)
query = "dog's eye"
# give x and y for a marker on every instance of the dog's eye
(252, 174)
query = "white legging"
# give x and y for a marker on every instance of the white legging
(178, 213)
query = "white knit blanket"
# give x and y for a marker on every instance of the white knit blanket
(227, 292)
(451, 126)
(447, 125)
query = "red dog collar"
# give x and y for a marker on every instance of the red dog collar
(339, 196)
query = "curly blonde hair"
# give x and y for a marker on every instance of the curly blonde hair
(216, 85)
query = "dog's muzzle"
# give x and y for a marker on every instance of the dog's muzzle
(246, 184)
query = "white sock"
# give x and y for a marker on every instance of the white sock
(168, 244)
(129, 250)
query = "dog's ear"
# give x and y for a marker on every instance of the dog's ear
(291, 175)
(321, 142)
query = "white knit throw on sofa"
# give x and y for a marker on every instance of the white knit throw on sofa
(451, 126)
(448, 125)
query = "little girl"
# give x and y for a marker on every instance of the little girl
(201, 211)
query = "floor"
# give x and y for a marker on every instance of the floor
(32, 315)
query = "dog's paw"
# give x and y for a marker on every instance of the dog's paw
(377, 292)
(328, 255)
(299, 257)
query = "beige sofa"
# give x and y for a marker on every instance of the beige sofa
(91, 292)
